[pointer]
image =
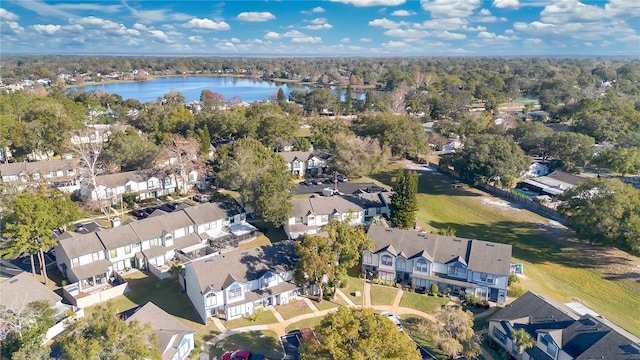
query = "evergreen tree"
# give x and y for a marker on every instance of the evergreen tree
(280, 97)
(205, 140)
(404, 204)
(367, 101)
(347, 101)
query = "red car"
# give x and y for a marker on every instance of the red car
(241, 355)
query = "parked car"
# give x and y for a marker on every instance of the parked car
(241, 355)
(393, 318)
(167, 207)
(139, 213)
(308, 183)
(201, 198)
(342, 178)
(318, 182)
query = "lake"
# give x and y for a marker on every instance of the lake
(248, 90)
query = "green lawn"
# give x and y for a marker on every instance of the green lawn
(555, 264)
(428, 304)
(354, 283)
(324, 305)
(265, 342)
(383, 295)
(306, 323)
(293, 309)
(263, 317)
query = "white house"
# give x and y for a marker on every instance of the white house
(480, 268)
(306, 163)
(236, 283)
(62, 174)
(174, 339)
(144, 182)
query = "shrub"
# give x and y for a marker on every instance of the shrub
(434, 289)
(195, 353)
(472, 300)
(383, 282)
(342, 283)
(515, 291)
(513, 278)
(485, 304)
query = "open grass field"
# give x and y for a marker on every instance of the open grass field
(383, 295)
(293, 309)
(306, 323)
(555, 264)
(263, 317)
(354, 284)
(422, 302)
(265, 342)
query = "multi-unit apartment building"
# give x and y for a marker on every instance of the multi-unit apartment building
(306, 163)
(235, 284)
(62, 174)
(455, 264)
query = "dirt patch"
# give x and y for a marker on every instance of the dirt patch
(500, 204)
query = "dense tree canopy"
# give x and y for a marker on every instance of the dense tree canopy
(24, 326)
(604, 211)
(488, 157)
(130, 151)
(359, 334)
(453, 332)
(103, 335)
(404, 137)
(404, 204)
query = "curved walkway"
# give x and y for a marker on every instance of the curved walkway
(280, 327)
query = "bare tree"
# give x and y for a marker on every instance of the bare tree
(90, 166)
(179, 157)
(397, 98)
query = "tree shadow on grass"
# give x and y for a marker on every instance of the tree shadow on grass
(256, 341)
(534, 242)
(166, 294)
(431, 182)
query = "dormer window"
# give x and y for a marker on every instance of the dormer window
(235, 291)
(453, 270)
(210, 299)
(387, 260)
(400, 264)
(422, 265)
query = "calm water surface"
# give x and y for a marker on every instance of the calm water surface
(248, 90)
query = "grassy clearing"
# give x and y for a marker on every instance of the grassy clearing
(260, 240)
(293, 309)
(263, 318)
(354, 284)
(325, 305)
(428, 304)
(555, 265)
(306, 323)
(265, 342)
(383, 295)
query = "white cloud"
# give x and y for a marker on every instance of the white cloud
(226, 46)
(133, 32)
(159, 35)
(485, 12)
(564, 11)
(235, 40)
(206, 24)
(307, 39)
(450, 36)
(365, 40)
(450, 8)
(319, 21)
(139, 26)
(489, 36)
(254, 16)
(364, 3)
(385, 23)
(318, 24)
(7, 15)
(345, 40)
(96, 8)
(535, 27)
(395, 44)
(271, 35)
(43, 9)
(73, 28)
(92, 21)
(502, 4)
(196, 39)
(533, 42)
(315, 10)
(294, 34)
(406, 34)
(622, 8)
(443, 24)
(48, 30)
(403, 13)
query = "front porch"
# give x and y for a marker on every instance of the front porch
(95, 289)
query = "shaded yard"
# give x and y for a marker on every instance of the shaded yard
(383, 295)
(265, 342)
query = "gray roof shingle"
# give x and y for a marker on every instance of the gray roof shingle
(81, 244)
(157, 226)
(326, 205)
(481, 256)
(24, 288)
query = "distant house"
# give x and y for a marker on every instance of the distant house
(174, 339)
(535, 170)
(306, 163)
(237, 283)
(560, 332)
(553, 184)
(476, 267)
(95, 134)
(309, 215)
(62, 174)
(22, 289)
(147, 183)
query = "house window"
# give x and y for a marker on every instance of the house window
(296, 165)
(192, 177)
(53, 174)
(95, 256)
(154, 242)
(167, 182)
(299, 220)
(127, 188)
(235, 291)
(400, 264)
(207, 226)
(127, 249)
(168, 237)
(310, 163)
(500, 336)
(150, 184)
(453, 270)
(325, 218)
(367, 258)
(113, 253)
(187, 230)
(486, 278)
(336, 216)
(422, 265)
(75, 262)
(387, 260)
(210, 299)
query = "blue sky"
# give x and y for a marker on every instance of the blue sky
(322, 28)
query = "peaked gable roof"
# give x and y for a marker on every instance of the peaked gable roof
(22, 289)
(81, 244)
(326, 205)
(40, 167)
(491, 258)
(120, 179)
(220, 271)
